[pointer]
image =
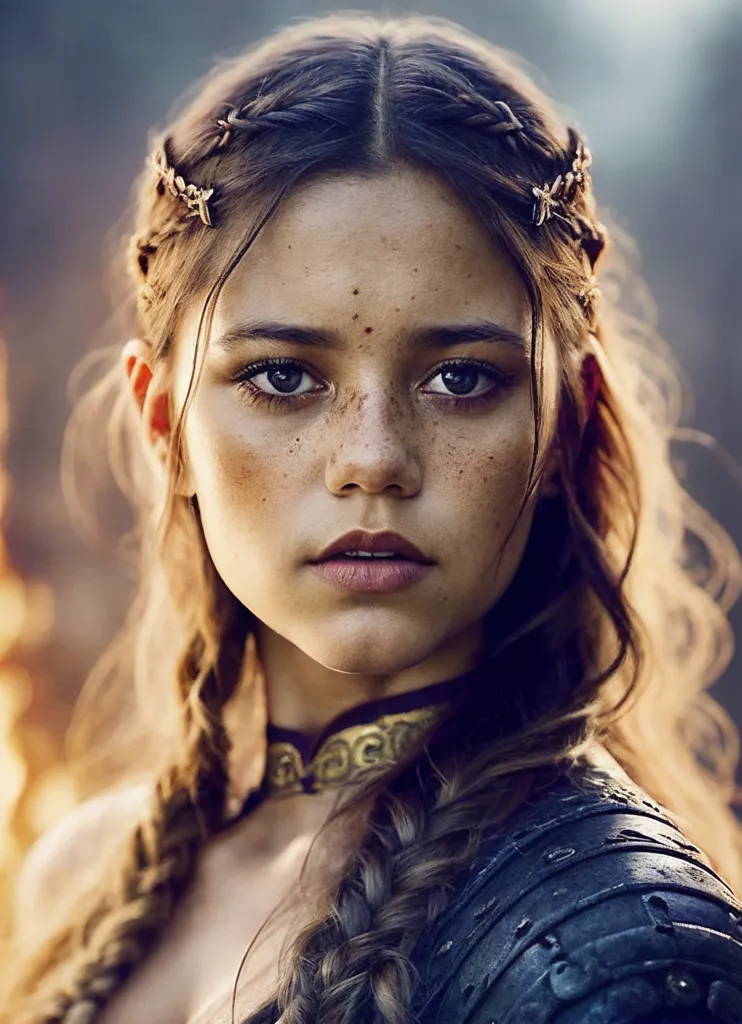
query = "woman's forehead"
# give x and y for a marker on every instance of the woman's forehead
(374, 246)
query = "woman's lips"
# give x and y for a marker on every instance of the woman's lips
(372, 575)
(378, 543)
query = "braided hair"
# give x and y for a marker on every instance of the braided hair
(566, 647)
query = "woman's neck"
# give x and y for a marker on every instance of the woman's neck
(305, 696)
(282, 689)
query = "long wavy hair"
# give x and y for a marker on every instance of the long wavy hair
(612, 629)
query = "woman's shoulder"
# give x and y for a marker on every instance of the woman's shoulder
(67, 859)
(588, 904)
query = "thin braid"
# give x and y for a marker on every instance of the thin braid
(142, 249)
(147, 245)
(188, 804)
(494, 118)
(460, 99)
(474, 110)
(254, 117)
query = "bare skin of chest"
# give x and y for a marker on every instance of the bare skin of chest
(242, 876)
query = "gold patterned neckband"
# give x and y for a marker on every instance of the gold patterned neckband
(347, 752)
(361, 740)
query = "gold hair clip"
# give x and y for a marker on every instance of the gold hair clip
(548, 200)
(563, 190)
(195, 197)
(578, 177)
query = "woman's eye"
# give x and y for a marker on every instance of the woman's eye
(459, 380)
(284, 379)
(273, 380)
(463, 382)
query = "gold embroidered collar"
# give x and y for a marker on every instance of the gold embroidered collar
(358, 741)
(372, 735)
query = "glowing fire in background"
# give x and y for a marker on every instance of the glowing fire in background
(35, 790)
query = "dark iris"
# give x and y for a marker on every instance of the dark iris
(284, 380)
(460, 380)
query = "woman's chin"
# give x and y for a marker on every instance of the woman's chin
(369, 652)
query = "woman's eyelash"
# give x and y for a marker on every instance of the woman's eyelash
(244, 383)
(502, 380)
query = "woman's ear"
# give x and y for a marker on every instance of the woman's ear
(151, 398)
(151, 403)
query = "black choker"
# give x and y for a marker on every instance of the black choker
(347, 753)
(360, 740)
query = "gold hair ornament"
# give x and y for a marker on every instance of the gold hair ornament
(553, 198)
(195, 197)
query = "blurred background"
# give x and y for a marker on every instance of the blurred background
(654, 84)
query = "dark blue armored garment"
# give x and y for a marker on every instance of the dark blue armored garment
(588, 907)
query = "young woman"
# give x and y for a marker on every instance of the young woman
(420, 646)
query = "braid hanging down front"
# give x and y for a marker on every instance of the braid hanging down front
(355, 93)
(186, 808)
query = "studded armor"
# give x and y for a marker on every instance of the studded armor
(588, 906)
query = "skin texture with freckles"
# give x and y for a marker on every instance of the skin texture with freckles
(379, 444)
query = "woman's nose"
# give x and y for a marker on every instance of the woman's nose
(373, 445)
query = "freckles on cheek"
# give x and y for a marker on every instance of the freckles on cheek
(251, 475)
(488, 481)
(228, 467)
(500, 459)
(485, 492)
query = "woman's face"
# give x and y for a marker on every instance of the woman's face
(373, 428)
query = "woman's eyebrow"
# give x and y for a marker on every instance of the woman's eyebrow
(436, 336)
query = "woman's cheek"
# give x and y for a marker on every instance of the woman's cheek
(498, 474)
(489, 487)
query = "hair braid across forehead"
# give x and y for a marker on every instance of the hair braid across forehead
(541, 182)
(252, 118)
(496, 117)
